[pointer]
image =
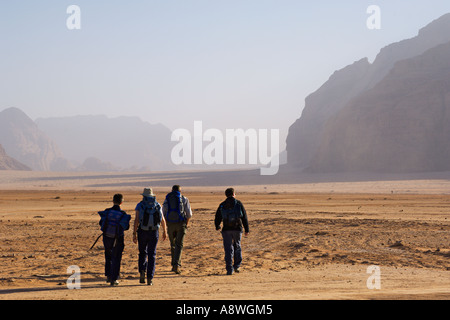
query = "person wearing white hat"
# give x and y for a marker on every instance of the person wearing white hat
(148, 220)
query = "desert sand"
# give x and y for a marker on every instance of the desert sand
(310, 240)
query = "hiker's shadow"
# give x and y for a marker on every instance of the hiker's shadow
(172, 275)
(85, 284)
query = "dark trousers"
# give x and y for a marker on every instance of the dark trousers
(113, 256)
(147, 241)
(176, 231)
(232, 246)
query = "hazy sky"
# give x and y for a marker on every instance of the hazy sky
(230, 63)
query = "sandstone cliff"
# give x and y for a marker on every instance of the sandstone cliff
(366, 115)
(24, 141)
(8, 163)
(401, 125)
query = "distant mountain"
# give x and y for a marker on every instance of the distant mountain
(304, 135)
(123, 142)
(8, 163)
(95, 165)
(400, 125)
(23, 140)
(389, 116)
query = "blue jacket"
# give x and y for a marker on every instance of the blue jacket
(114, 221)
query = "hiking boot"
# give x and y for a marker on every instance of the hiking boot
(149, 282)
(237, 270)
(114, 283)
(229, 272)
(177, 270)
(142, 277)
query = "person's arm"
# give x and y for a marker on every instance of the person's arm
(163, 222)
(187, 210)
(136, 225)
(102, 219)
(125, 221)
(244, 220)
(218, 218)
(164, 208)
(163, 225)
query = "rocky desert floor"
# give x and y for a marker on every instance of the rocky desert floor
(303, 244)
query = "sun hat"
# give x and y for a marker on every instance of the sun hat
(148, 192)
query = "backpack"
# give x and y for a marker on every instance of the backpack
(112, 222)
(149, 217)
(175, 212)
(231, 217)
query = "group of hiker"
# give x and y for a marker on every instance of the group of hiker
(172, 218)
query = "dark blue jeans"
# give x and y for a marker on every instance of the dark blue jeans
(147, 241)
(232, 246)
(113, 256)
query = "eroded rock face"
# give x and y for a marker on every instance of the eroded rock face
(389, 116)
(22, 140)
(121, 142)
(304, 135)
(8, 163)
(93, 143)
(401, 125)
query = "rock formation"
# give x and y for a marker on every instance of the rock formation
(388, 116)
(24, 141)
(124, 142)
(8, 163)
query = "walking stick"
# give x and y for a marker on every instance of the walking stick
(95, 241)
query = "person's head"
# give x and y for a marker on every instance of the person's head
(148, 192)
(229, 192)
(176, 188)
(118, 199)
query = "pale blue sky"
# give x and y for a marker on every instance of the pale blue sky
(231, 64)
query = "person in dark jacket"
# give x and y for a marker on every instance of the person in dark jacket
(114, 221)
(231, 213)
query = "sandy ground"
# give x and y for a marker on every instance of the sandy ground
(306, 241)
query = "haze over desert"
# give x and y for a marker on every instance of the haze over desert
(330, 119)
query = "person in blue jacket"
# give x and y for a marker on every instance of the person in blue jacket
(114, 221)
